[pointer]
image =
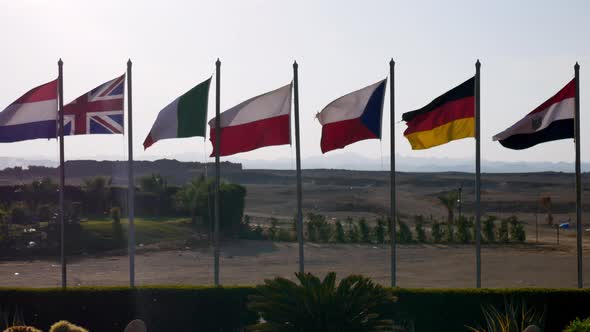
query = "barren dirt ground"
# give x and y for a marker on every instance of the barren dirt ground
(249, 262)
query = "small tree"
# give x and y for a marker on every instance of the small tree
(326, 231)
(274, 228)
(463, 235)
(437, 233)
(517, 233)
(405, 234)
(449, 201)
(364, 230)
(489, 229)
(18, 213)
(312, 234)
(339, 232)
(450, 233)
(245, 227)
(258, 232)
(503, 231)
(318, 228)
(44, 212)
(4, 230)
(380, 230)
(419, 228)
(353, 232)
(118, 233)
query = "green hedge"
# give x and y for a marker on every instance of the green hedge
(452, 309)
(174, 309)
(110, 309)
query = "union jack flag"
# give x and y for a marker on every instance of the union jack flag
(99, 111)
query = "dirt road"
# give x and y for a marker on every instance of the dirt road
(249, 262)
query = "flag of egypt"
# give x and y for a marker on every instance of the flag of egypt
(552, 120)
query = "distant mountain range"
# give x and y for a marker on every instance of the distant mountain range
(356, 162)
(410, 164)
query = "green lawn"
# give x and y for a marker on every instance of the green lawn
(147, 230)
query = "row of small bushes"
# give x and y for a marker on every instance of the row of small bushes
(319, 229)
(224, 308)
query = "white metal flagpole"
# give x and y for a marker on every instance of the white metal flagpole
(477, 176)
(579, 227)
(298, 163)
(131, 179)
(392, 212)
(62, 177)
(217, 173)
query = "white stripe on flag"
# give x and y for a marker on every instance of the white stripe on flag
(559, 111)
(347, 107)
(16, 114)
(269, 105)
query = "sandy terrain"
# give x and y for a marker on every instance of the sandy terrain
(249, 262)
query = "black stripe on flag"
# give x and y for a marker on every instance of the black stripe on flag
(560, 129)
(464, 90)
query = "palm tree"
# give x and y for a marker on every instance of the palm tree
(97, 190)
(154, 183)
(355, 304)
(449, 201)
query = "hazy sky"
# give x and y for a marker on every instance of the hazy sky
(527, 50)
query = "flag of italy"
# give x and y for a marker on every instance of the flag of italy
(184, 117)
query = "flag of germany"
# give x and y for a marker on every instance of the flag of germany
(447, 118)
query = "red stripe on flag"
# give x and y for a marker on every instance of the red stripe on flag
(113, 85)
(82, 106)
(336, 135)
(47, 91)
(568, 91)
(451, 111)
(252, 135)
(148, 141)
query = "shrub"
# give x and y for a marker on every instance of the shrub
(166, 309)
(419, 227)
(196, 200)
(273, 229)
(503, 231)
(285, 235)
(353, 232)
(245, 227)
(325, 232)
(380, 230)
(318, 228)
(44, 212)
(339, 232)
(578, 325)
(22, 329)
(258, 232)
(437, 233)
(517, 232)
(116, 214)
(18, 214)
(355, 304)
(514, 317)
(119, 240)
(209, 308)
(489, 229)
(65, 326)
(405, 234)
(364, 231)
(248, 232)
(463, 235)
(450, 233)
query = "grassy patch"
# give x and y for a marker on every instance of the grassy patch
(99, 233)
